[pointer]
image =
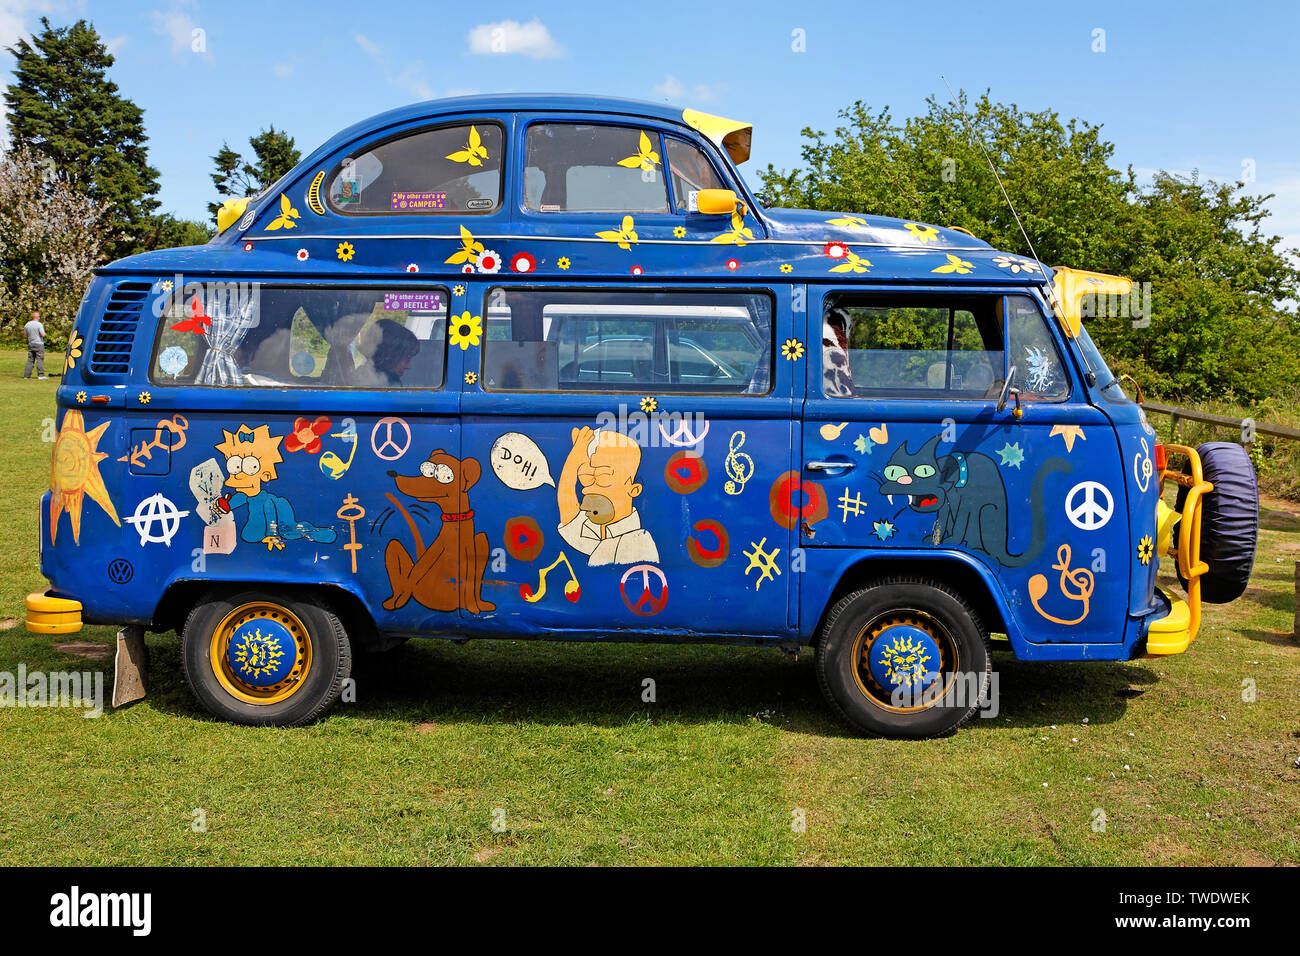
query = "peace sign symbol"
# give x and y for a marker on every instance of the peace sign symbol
(649, 603)
(390, 449)
(1089, 505)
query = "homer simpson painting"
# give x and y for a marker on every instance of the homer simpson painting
(251, 457)
(604, 524)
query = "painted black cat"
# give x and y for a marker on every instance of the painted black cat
(965, 493)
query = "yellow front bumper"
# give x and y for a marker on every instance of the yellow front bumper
(52, 615)
(1173, 633)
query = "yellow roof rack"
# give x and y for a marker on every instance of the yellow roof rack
(732, 135)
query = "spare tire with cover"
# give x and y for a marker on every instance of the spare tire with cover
(1229, 520)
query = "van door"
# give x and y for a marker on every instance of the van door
(903, 431)
(629, 439)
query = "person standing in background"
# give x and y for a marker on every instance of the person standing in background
(35, 347)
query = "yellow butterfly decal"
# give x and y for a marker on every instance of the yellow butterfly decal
(287, 215)
(646, 158)
(853, 222)
(879, 435)
(852, 263)
(474, 152)
(955, 264)
(624, 236)
(738, 234)
(469, 251)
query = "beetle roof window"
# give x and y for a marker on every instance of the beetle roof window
(581, 168)
(455, 169)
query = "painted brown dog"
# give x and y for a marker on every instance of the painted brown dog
(448, 574)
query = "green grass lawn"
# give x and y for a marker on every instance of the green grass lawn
(557, 737)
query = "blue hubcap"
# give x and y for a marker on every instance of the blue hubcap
(903, 657)
(262, 652)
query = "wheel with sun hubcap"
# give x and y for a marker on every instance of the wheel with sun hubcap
(254, 658)
(904, 657)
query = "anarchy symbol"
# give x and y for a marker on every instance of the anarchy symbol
(650, 602)
(160, 509)
(390, 449)
(1089, 505)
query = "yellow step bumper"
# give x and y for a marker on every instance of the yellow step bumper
(52, 615)
(1173, 633)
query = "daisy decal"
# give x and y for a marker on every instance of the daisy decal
(166, 285)
(852, 263)
(474, 152)
(306, 435)
(564, 262)
(1145, 549)
(412, 267)
(649, 404)
(738, 234)
(471, 378)
(733, 264)
(458, 290)
(835, 250)
(145, 398)
(1015, 266)
(303, 255)
(286, 218)
(344, 251)
(488, 261)
(81, 398)
(680, 232)
(923, 233)
(955, 264)
(469, 250)
(624, 236)
(645, 158)
(75, 342)
(792, 349)
(466, 330)
(522, 262)
(467, 269)
(637, 270)
(786, 267)
(853, 222)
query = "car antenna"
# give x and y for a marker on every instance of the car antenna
(1051, 285)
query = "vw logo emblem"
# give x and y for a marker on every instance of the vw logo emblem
(389, 447)
(1089, 506)
(120, 571)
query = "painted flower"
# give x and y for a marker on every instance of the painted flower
(564, 262)
(458, 289)
(467, 269)
(81, 398)
(412, 267)
(852, 263)
(955, 264)
(345, 251)
(466, 330)
(522, 262)
(1014, 265)
(75, 342)
(733, 264)
(786, 267)
(624, 236)
(286, 218)
(166, 285)
(835, 250)
(471, 378)
(488, 261)
(637, 270)
(649, 404)
(923, 233)
(792, 349)
(248, 247)
(645, 158)
(303, 255)
(680, 232)
(1145, 549)
(145, 398)
(474, 152)
(739, 232)
(468, 252)
(853, 222)
(306, 435)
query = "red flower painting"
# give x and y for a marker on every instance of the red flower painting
(306, 435)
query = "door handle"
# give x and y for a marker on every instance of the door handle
(830, 465)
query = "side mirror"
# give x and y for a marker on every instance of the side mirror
(1007, 389)
(718, 202)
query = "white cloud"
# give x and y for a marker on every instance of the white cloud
(510, 36)
(183, 35)
(409, 80)
(114, 45)
(673, 89)
(282, 70)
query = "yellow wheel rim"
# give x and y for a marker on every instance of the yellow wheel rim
(260, 653)
(891, 626)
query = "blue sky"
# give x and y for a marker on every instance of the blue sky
(1179, 86)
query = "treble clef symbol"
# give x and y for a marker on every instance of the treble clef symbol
(1080, 578)
(740, 467)
(1142, 468)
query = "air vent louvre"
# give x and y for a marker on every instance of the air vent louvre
(111, 353)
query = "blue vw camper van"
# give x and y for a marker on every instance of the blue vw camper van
(542, 367)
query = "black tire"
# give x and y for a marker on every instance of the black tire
(1229, 521)
(856, 696)
(310, 696)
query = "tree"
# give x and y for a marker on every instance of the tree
(275, 155)
(51, 238)
(1218, 284)
(62, 106)
(168, 231)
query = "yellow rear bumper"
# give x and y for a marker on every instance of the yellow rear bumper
(52, 615)
(1173, 633)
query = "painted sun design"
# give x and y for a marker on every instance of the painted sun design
(905, 662)
(792, 349)
(74, 473)
(258, 655)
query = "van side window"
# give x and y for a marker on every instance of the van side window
(1040, 374)
(913, 346)
(455, 169)
(691, 171)
(303, 338)
(605, 341)
(579, 168)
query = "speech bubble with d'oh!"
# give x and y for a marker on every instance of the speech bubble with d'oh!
(519, 463)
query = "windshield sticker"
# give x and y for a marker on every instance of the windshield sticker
(413, 302)
(417, 202)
